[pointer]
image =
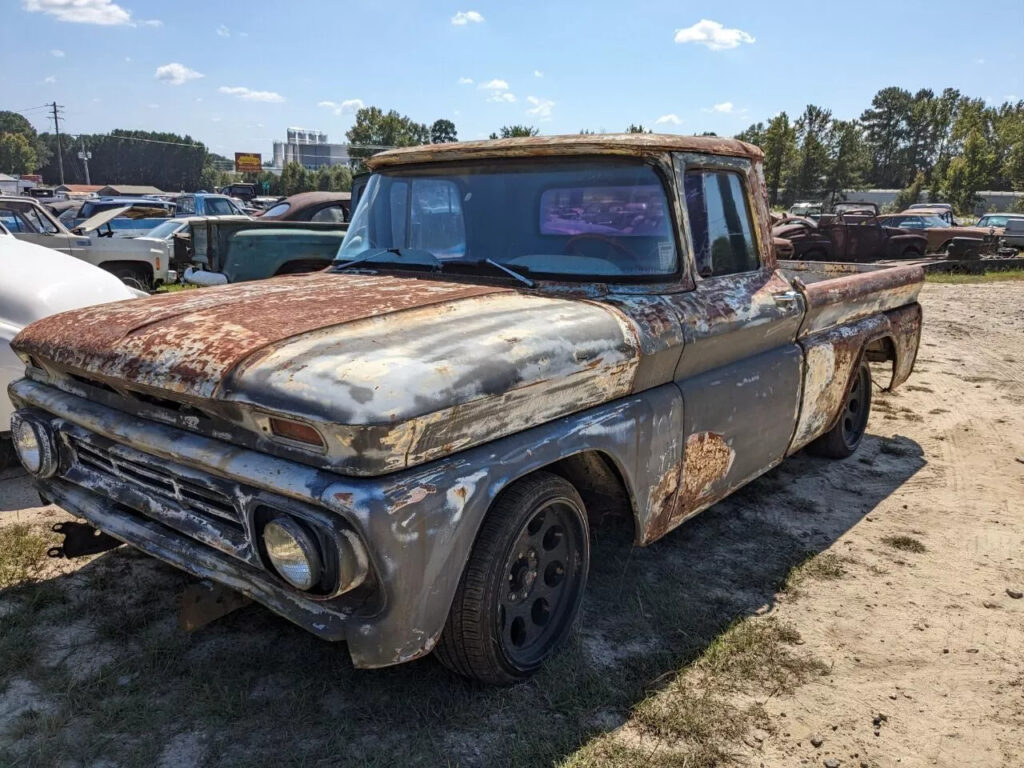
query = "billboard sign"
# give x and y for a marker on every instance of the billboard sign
(248, 162)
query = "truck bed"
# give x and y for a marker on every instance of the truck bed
(839, 293)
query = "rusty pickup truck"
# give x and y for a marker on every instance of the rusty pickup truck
(401, 451)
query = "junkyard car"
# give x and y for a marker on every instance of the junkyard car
(36, 282)
(30, 221)
(401, 452)
(325, 207)
(205, 204)
(229, 250)
(856, 235)
(939, 233)
(91, 241)
(141, 216)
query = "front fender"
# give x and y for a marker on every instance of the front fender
(422, 524)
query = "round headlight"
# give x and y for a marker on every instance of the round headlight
(34, 444)
(293, 552)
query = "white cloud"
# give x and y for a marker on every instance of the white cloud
(465, 81)
(250, 95)
(498, 91)
(223, 31)
(668, 120)
(725, 106)
(102, 12)
(57, 52)
(541, 107)
(51, 79)
(713, 35)
(538, 73)
(466, 17)
(176, 74)
(343, 107)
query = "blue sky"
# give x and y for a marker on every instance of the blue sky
(236, 75)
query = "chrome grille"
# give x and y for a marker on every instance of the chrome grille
(153, 479)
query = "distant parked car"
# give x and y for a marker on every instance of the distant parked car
(243, 191)
(207, 204)
(1013, 234)
(312, 206)
(939, 233)
(998, 221)
(942, 210)
(142, 215)
(856, 235)
(807, 210)
(38, 282)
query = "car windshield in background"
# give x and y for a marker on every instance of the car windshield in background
(584, 219)
(165, 230)
(278, 209)
(934, 221)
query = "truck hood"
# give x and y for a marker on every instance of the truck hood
(397, 368)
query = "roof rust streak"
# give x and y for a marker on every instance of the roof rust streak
(574, 144)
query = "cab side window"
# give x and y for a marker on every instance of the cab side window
(720, 223)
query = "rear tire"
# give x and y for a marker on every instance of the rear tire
(845, 437)
(910, 253)
(133, 278)
(521, 589)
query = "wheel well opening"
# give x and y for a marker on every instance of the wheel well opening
(881, 351)
(600, 485)
(139, 267)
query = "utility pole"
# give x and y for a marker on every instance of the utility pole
(56, 130)
(85, 156)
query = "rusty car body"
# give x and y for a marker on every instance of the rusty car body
(612, 345)
(856, 235)
(941, 236)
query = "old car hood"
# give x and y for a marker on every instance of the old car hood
(95, 222)
(401, 366)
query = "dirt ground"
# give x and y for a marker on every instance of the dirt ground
(856, 613)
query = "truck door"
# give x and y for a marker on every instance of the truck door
(741, 370)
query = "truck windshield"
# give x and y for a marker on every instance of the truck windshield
(583, 219)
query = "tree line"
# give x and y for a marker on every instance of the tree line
(948, 146)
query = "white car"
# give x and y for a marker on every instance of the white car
(36, 282)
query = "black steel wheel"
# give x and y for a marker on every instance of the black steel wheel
(845, 436)
(522, 587)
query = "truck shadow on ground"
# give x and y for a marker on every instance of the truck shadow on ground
(93, 666)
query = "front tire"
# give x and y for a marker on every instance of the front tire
(522, 586)
(845, 437)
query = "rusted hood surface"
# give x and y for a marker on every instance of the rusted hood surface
(401, 369)
(185, 343)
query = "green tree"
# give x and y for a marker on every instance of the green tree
(341, 178)
(513, 131)
(848, 159)
(12, 122)
(322, 178)
(754, 134)
(443, 132)
(375, 130)
(637, 129)
(812, 161)
(969, 171)
(911, 194)
(17, 154)
(885, 123)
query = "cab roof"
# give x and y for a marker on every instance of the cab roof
(632, 144)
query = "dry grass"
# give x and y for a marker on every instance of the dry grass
(22, 552)
(904, 544)
(826, 566)
(984, 277)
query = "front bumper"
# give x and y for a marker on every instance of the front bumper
(417, 527)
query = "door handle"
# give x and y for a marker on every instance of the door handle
(786, 297)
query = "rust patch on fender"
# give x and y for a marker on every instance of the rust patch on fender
(707, 460)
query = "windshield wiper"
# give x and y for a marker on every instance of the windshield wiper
(508, 271)
(339, 264)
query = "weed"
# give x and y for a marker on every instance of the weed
(904, 543)
(22, 553)
(985, 277)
